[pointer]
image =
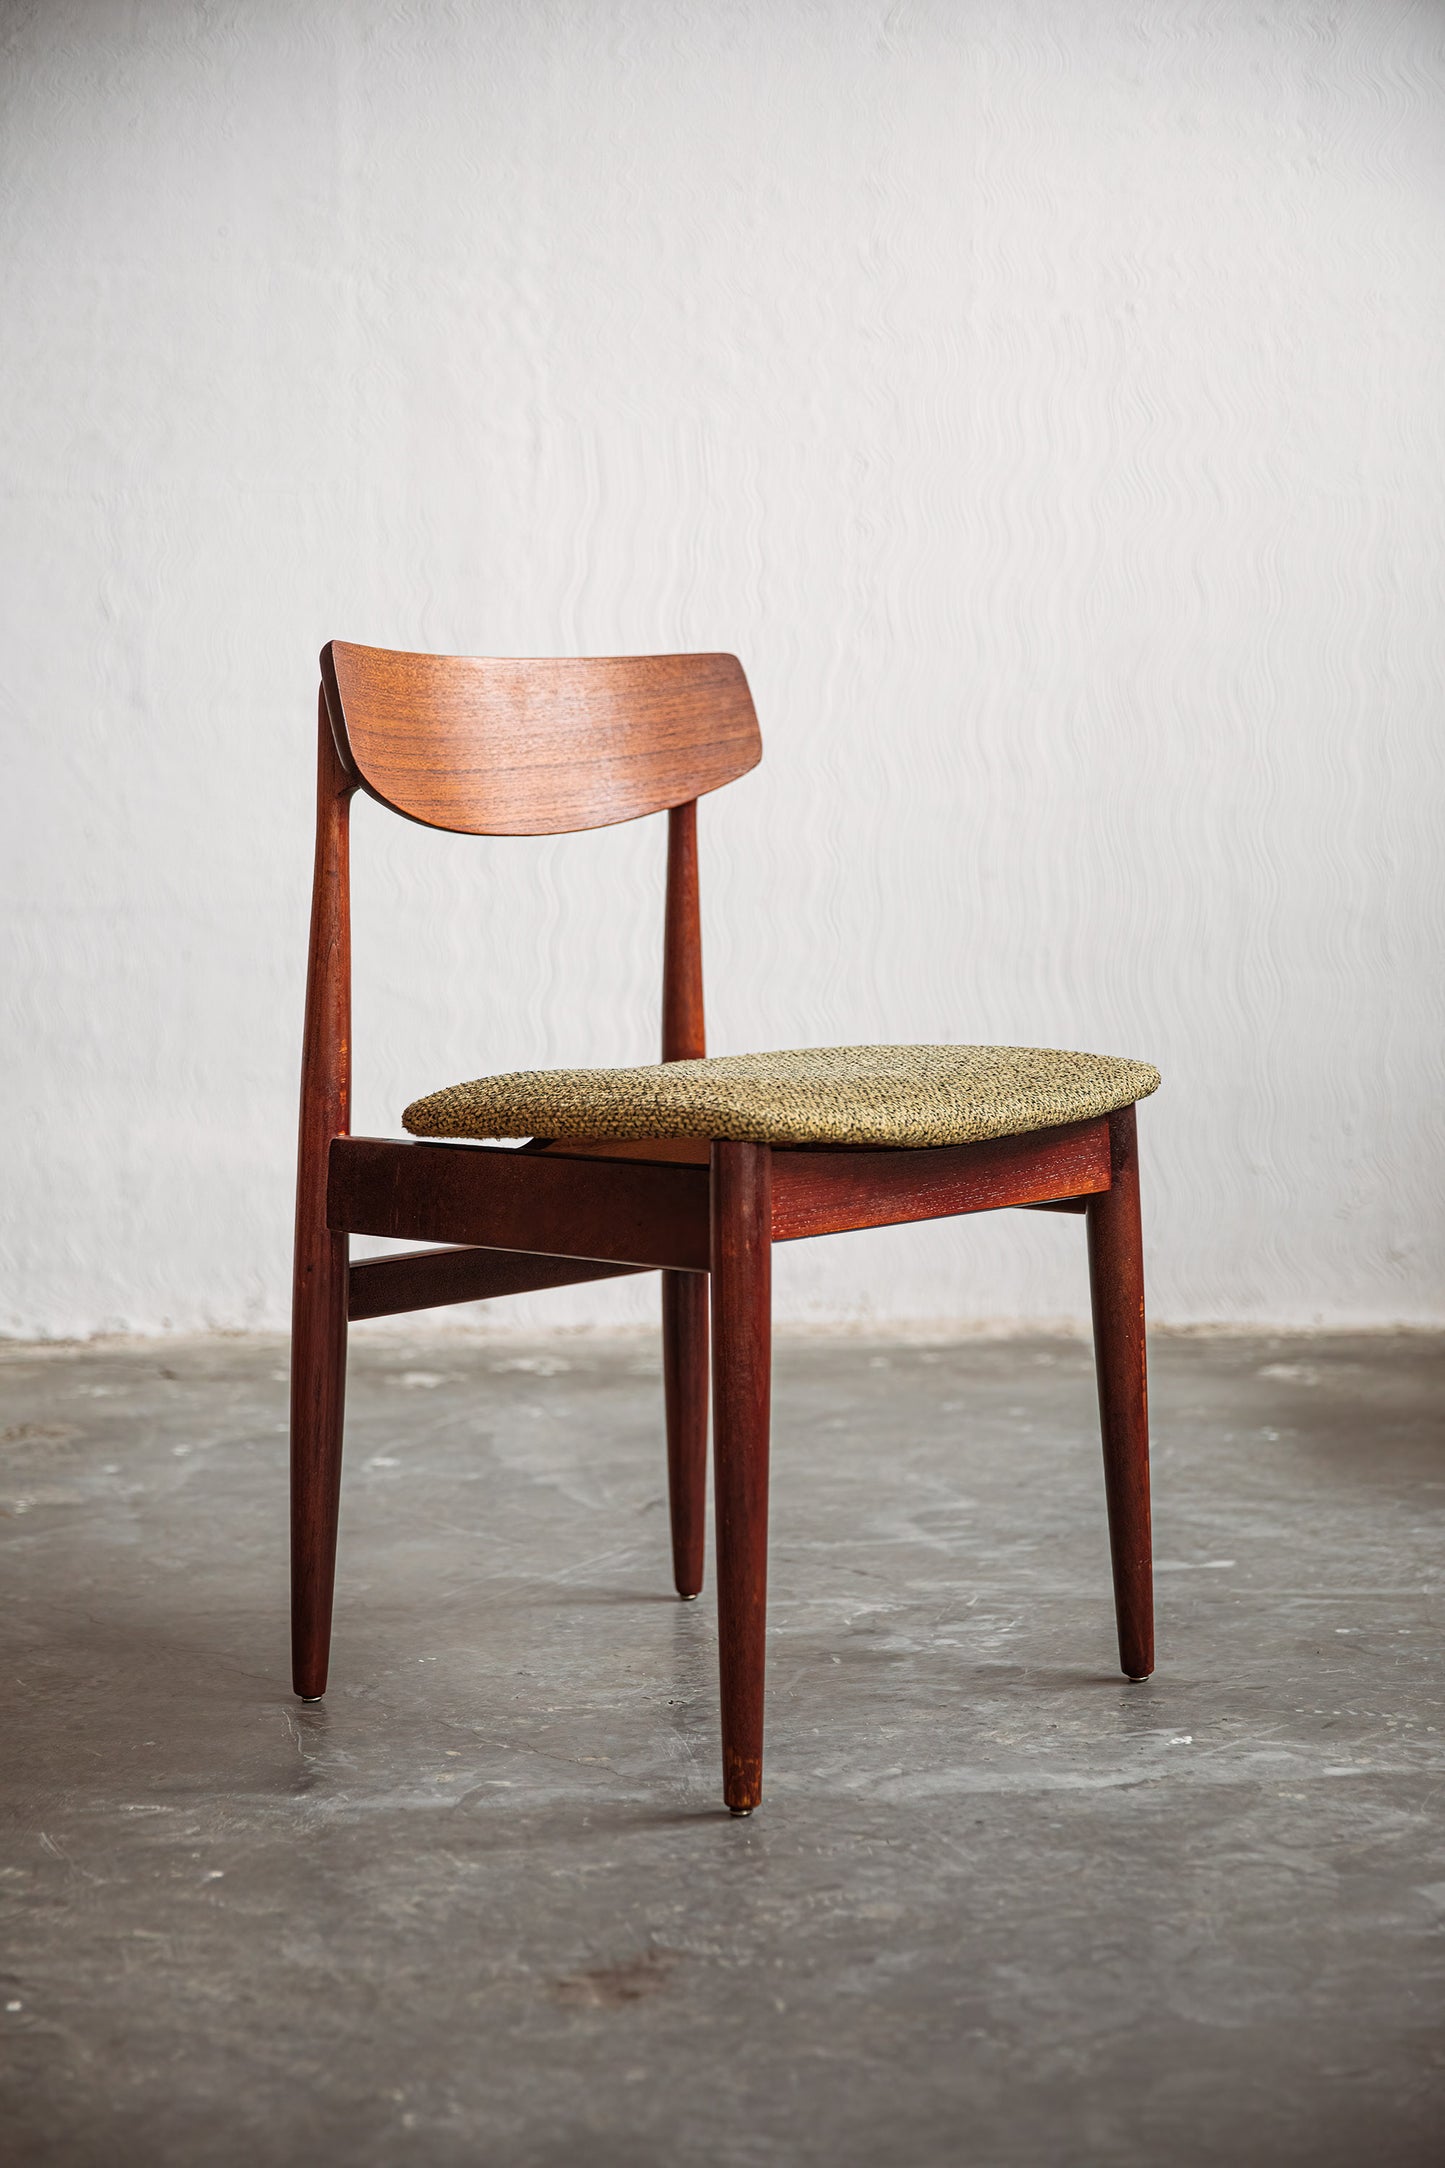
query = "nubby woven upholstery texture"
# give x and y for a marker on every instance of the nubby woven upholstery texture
(888, 1096)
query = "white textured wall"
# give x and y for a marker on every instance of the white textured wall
(1043, 397)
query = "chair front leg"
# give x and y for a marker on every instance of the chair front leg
(318, 1398)
(1116, 1286)
(742, 1260)
(684, 1382)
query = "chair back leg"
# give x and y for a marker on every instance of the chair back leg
(1116, 1286)
(742, 1387)
(685, 1383)
(319, 1301)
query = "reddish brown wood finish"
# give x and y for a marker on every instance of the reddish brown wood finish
(742, 1334)
(684, 1387)
(503, 746)
(684, 1297)
(318, 1309)
(696, 1151)
(684, 1035)
(1116, 1285)
(427, 1279)
(521, 748)
(825, 1193)
(819, 1191)
(613, 1211)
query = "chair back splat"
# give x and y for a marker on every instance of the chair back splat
(506, 747)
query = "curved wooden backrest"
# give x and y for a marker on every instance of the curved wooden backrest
(501, 747)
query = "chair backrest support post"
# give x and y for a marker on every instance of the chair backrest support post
(326, 1041)
(684, 1037)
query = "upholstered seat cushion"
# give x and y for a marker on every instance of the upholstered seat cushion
(879, 1095)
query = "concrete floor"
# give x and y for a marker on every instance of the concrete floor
(482, 1906)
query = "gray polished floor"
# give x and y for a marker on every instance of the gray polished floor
(482, 1906)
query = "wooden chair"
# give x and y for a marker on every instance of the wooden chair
(523, 748)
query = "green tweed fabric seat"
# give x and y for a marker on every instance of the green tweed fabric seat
(886, 1096)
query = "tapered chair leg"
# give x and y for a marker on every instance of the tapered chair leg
(742, 1264)
(318, 1398)
(1116, 1285)
(685, 1382)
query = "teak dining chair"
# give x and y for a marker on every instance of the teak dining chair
(692, 1168)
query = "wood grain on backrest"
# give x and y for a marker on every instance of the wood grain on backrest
(503, 747)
